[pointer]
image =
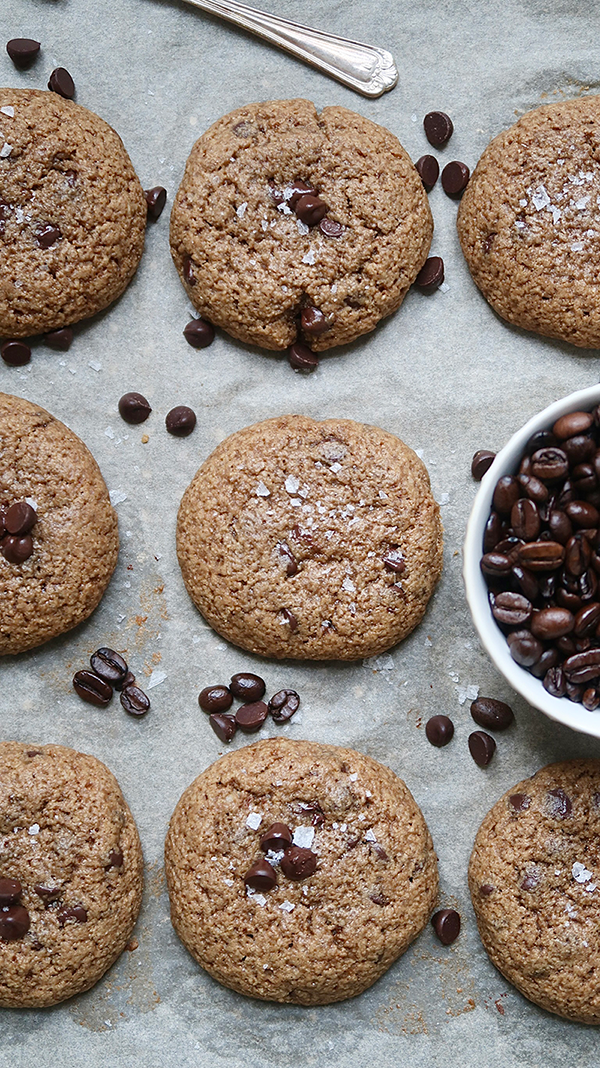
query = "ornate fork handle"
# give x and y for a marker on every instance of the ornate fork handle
(364, 68)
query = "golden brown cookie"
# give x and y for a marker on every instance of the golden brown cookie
(71, 872)
(529, 222)
(309, 539)
(248, 262)
(74, 539)
(534, 877)
(369, 884)
(72, 213)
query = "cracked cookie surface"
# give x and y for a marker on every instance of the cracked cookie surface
(72, 213)
(251, 266)
(68, 837)
(75, 537)
(331, 935)
(534, 877)
(311, 540)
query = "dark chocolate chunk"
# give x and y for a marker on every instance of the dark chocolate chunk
(439, 730)
(277, 837)
(438, 127)
(60, 340)
(482, 748)
(14, 923)
(156, 199)
(23, 51)
(261, 876)
(10, 891)
(446, 924)
(223, 726)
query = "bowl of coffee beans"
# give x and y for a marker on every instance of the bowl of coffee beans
(532, 561)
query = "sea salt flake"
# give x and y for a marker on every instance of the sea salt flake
(369, 836)
(262, 491)
(467, 693)
(353, 777)
(117, 497)
(361, 816)
(292, 484)
(348, 585)
(228, 882)
(31, 502)
(241, 210)
(428, 642)
(540, 198)
(295, 502)
(309, 258)
(8, 110)
(368, 793)
(254, 821)
(264, 224)
(95, 365)
(274, 856)
(444, 498)
(580, 204)
(302, 227)
(344, 827)
(109, 432)
(443, 287)
(283, 208)
(577, 246)
(34, 829)
(580, 873)
(335, 467)
(6, 150)
(155, 679)
(303, 837)
(571, 910)
(260, 899)
(287, 906)
(522, 203)
(590, 887)
(383, 495)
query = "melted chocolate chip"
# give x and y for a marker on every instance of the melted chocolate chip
(298, 863)
(77, 913)
(10, 890)
(14, 923)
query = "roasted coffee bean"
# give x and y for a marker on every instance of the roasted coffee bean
(582, 666)
(92, 688)
(510, 546)
(582, 514)
(298, 863)
(223, 726)
(542, 439)
(61, 82)
(525, 649)
(313, 321)
(439, 730)
(247, 687)
(526, 583)
(551, 623)
(550, 658)
(535, 490)
(493, 714)
(20, 518)
(573, 423)
(578, 449)
(492, 533)
(565, 599)
(541, 555)
(283, 705)
(565, 495)
(14, 923)
(525, 520)
(77, 913)
(199, 333)
(301, 358)
(555, 682)
(506, 494)
(17, 549)
(22, 51)
(584, 479)
(513, 609)
(566, 646)
(446, 924)
(109, 665)
(134, 408)
(180, 421)
(455, 178)
(588, 585)
(481, 463)
(428, 169)
(431, 275)
(261, 876)
(591, 698)
(587, 620)
(574, 691)
(438, 127)
(278, 836)
(578, 554)
(251, 717)
(15, 353)
(128, 680)
(481, 747)
(134, 701)
(215, 699)
(331, 228)
(549, 464)
(525, 467)
(310, 209)
(60, 340)
(495, 564)
(560, 526)
(10, 891)
(156, 199)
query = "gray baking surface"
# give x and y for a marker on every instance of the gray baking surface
(444, 373)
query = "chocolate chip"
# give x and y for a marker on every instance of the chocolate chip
(283, 705)
(10, 890)
(297, 189)
(156, 199)
(215, 699)
(246, 686)
(314, 810)
(493, 714)
(291, 564)
(394, 561)
(223, 726)
(20, 518)
(455, 178)
(115, 859)
(199, 333)
(438, 127)
(290, 619)
(77, 913)
(485, 889)
(48, 236)
(92, 688)
(331, 228)
(520, 802)
(180, 421)
(14, 923)
(48, 894)
(278, 836)
(301, 358)
(261, 876)
(298, 863)
(446, 924)
(482, 748)
(251, 717)
(16, 550)
(313, 321)
(439, 730)
(530, 882)
(559, 804)
(22, 51)
(61, 82)
(15, 353)
(188, 272)
(431, 275)
(60, 340)
(378, 898)
(481, 463)
(109, 665)
(134, 701)
(428, 169)
(134, 408)
(310, 209)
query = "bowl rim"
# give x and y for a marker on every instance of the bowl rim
(557, 708)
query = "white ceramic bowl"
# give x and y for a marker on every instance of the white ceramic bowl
(506, 463)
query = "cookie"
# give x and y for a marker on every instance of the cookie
(347, 911)
(74, 538)
(529, 222)
(70, 873)
(534, 877)
(72, 213)
(311, 540)
(246, 258)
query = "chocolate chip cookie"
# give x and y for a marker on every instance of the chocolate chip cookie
(535, 882)
(529, 222)
(72, 213)
(70, 873)
(298, 872)
(309, 539)
(58, 530)
(293, 224)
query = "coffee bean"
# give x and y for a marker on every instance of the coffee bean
(534, 488)
(446, 924)
(180, 421)
(10, 891)
(17, 549)
(313, 322)
(431, 275)
(491, 713)
(301, 358)
(14, 923)
(525, 649)
(199, 333)
(591, 698)
(247, 687)
(455, 178)
(428, 169)
(223, 726)
(525, 582)
(20, 518)
(92, 688)
(587, 620)
(579, 449)
(15, 353)
(277, 837)
(495, 564)
(542, 555)
(573, 423)
(134, 408)
(48, 236)
(251, 717)
(438, 127)
(127, 680)
(23, 51)
(525, 519)
(551, 623)
(506, 494)
(581, 667)
(481, 747)
(134, 701)
(310, 209)
(77, 913)
(215, 699)
(331, 228)
(283, 705)
(513, 609)
(156, 199)
(298, 863)
(439, 730)
(261, 876)
(60, 340)
(492, 532)
(560, 526)
(481, 463)
(61, 82)
(109, 665)
(582, 514)
(578, 554)
(549, 464)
